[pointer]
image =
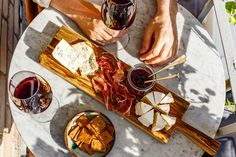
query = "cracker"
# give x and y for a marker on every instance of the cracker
(93, 131)
(84, 136)
(82, 121)
(105, 137)
(96, 145)
(73, 132)
(98, 124)
(110, 129)
(88, 148)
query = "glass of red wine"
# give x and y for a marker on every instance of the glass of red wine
(31, 93)
(119, 15)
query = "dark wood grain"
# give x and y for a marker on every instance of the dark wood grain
(208, 144)
(178, 108)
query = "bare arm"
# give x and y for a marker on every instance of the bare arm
(87, 16)
(160, 40)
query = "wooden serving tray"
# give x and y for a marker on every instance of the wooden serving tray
(83, 82)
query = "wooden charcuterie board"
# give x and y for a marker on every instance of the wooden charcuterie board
(83, 82)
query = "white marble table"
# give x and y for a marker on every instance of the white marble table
(201, 83)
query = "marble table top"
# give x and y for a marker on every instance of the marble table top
(201, 83)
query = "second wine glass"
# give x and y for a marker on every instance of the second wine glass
(32, 94)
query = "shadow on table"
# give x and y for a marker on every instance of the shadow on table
(130, 141)
(38, 41)
(62, 118)
(46, 150)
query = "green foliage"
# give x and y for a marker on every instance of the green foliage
(230, 8)
(230, 104)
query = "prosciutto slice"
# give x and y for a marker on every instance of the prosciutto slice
(110, 82)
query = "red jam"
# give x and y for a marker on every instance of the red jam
(136, 78)
(139, 76)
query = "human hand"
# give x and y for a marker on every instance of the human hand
(97, 31)
(87, 16)
(160, 43)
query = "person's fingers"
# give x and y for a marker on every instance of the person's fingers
(107, 37)
(155, 50)
(122, 33)
(162, 59)
(115, 33)
(97, 39)
(146, 40)
(164, 53)
(159, 60)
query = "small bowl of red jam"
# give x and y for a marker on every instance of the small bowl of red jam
(137, 75)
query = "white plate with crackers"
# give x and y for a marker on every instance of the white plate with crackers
(89, 133)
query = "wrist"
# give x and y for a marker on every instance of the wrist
(166, 8)
(76, 9)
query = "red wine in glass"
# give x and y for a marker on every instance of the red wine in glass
(30, 92)
(118, 14)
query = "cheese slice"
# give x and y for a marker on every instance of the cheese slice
(153, 98)
(169, 120)
(67, 56)
(147, 118)
(159, 123)
(141, 108)
(165, 108)
(87, 58)
(167, 99)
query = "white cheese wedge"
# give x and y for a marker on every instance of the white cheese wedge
(153, 98)
(165, 108)
(141, 108)
(67, 56)
(169, 120)
(147, 118)
(87, 58)
(159, 123)
(167, 99)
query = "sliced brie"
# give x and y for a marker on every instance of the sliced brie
(87, 58)
(169, 120)
(141, 108)
(147, 118)
(159, 123)
(167, 99)
(164, 107)
(153, 98)
(67, 56)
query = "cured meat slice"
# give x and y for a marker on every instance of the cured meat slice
(108, 62)
(119, 76)
(110, 83)
(100, 86)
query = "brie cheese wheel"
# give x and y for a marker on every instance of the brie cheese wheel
(167, 99)
(141, 108)
(159, 123)
(165, 108)
(153, 98)
(169, 120)
(147, 118)
(67, 56)
(87, 58)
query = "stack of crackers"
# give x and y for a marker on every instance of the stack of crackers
(92, 136)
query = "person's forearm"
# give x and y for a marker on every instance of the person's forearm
(166, 7)
(76, 9)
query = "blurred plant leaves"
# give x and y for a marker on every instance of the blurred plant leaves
(232, 19)
(230, 7)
